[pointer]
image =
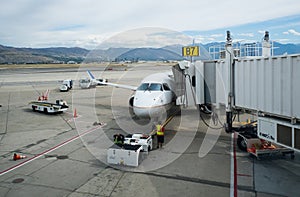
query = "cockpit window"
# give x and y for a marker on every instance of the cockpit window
(143, 86)
(166, 87)
(155, 87)
(84, 81)
(150, 87)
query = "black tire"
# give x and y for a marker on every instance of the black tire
(242, 143)
(46, 110)
(149, 148)
(33, 108)
(292, 156)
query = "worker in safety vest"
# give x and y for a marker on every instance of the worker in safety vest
(119, 139)
(160, 134)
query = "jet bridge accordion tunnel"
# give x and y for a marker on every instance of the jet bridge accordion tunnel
(269, 87)
(266, 86)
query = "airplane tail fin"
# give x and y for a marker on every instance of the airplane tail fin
(90, 74)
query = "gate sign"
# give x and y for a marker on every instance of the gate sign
(190, 51)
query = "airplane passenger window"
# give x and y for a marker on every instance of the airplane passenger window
(166, 87)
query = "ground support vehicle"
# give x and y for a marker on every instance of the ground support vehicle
(66, 85)
(126, 154)
(261, 148)
(248, 140)
(140, 139)
(44, 106)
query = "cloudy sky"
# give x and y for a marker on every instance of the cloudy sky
(87, 23)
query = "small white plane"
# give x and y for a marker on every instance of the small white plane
(87, 83)
(154, 95)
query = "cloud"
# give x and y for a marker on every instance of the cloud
(246, 34)
(293, 32)
(41, 23)
(217, 35)
(146, 37)
(283, 40)
(261, 32)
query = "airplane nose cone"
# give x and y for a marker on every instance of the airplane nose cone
(148, 112)
(148, 99)
(148, 104)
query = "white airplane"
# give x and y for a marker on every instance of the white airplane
(87, 83)
(90, 82)
(153, 96)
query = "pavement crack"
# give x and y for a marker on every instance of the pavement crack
(66, 121)
(196, 180)
(123, 173)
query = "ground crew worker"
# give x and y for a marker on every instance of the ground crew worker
(160, 134)
(119, 139)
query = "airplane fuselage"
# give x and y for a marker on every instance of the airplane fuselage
(154, 96)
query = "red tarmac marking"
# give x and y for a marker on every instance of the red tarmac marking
(47, 151)
(235, 165)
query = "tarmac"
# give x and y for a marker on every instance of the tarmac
(66, 155)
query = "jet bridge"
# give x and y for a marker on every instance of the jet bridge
(269, 86)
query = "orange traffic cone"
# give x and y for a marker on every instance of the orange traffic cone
(18, 156)
(75, 113)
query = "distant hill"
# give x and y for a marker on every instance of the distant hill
(105, 55)
(12, 55)
(281, 49)
(149, 54)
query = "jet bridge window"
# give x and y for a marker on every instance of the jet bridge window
(166, 87)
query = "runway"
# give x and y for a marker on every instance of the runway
(66, 155)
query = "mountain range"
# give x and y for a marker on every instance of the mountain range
(12, 55)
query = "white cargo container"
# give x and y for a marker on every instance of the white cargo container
(128, 155)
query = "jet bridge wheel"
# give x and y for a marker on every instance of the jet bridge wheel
(242, 143)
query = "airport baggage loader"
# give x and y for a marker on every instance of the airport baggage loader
(260, 148)
(126, 154)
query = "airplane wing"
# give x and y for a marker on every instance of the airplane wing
(111, 84)
(118, 85)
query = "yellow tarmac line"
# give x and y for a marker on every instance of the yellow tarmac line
(164, 124)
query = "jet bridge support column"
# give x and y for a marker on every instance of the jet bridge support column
(230, 63)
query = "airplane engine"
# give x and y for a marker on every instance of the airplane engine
(131, 101)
